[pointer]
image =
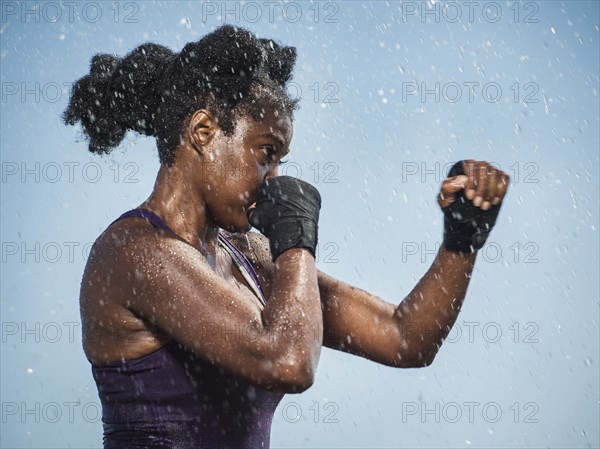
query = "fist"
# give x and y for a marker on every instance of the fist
(483, 184)
(470, 198)
(287, 212)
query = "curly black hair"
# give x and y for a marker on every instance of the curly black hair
(154, 91)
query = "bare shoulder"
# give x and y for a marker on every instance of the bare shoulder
(128, 240)
(111, 330)
(121, 251)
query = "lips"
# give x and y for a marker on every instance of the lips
(250, 210)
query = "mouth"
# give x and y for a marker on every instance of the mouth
(250, 210)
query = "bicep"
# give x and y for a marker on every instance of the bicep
(177, 291)
(360, 323)
(354, 321)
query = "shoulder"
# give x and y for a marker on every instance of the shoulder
(129, 241)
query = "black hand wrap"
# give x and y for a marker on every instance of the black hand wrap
(466, 227)
(287, 212)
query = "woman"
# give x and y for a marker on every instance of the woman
(195, 327)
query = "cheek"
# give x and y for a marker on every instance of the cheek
(244, 195)
(247, 174)
(239, 184)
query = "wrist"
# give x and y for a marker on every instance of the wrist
(293, 233)
(294, 255)
(460, 237)
(457, 258)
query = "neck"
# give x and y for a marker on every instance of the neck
(182, 207)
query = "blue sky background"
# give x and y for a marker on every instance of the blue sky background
(521, 367)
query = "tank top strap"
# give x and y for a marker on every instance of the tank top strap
(244, 266)
(148, 215)
(239, 259)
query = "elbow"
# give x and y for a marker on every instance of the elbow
(296, 375)
(284, 375)
(414, 359)
(296, 364)
(297, 385)
(295, 369)
(423, 362)
(290, 368)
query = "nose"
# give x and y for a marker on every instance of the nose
(272, 172)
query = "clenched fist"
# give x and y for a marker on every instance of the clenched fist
(470, 198)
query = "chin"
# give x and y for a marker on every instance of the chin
(245, 228)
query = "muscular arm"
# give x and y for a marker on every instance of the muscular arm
(411, 334)
(407, 335)
(168, 283)
(404, 335)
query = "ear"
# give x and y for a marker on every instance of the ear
(201, 129)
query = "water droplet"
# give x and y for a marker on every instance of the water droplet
(186, 21)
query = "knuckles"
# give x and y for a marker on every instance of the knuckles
(484, 179)
(474, 170)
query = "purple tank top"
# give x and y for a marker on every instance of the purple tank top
(171, 398)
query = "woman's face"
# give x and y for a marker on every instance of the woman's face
(239, 163)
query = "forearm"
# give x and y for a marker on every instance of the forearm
(292, 317)
(427, 314)
(287, 213)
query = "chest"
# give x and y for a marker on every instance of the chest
(243, 274)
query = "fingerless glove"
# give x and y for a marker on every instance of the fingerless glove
(287, 213)
(466, 227)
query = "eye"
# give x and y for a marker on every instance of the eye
(270, 153)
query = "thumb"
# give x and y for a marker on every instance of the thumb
(449, 188)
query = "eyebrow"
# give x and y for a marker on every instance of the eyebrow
(273, 136)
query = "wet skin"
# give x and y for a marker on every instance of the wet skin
(143, 286)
